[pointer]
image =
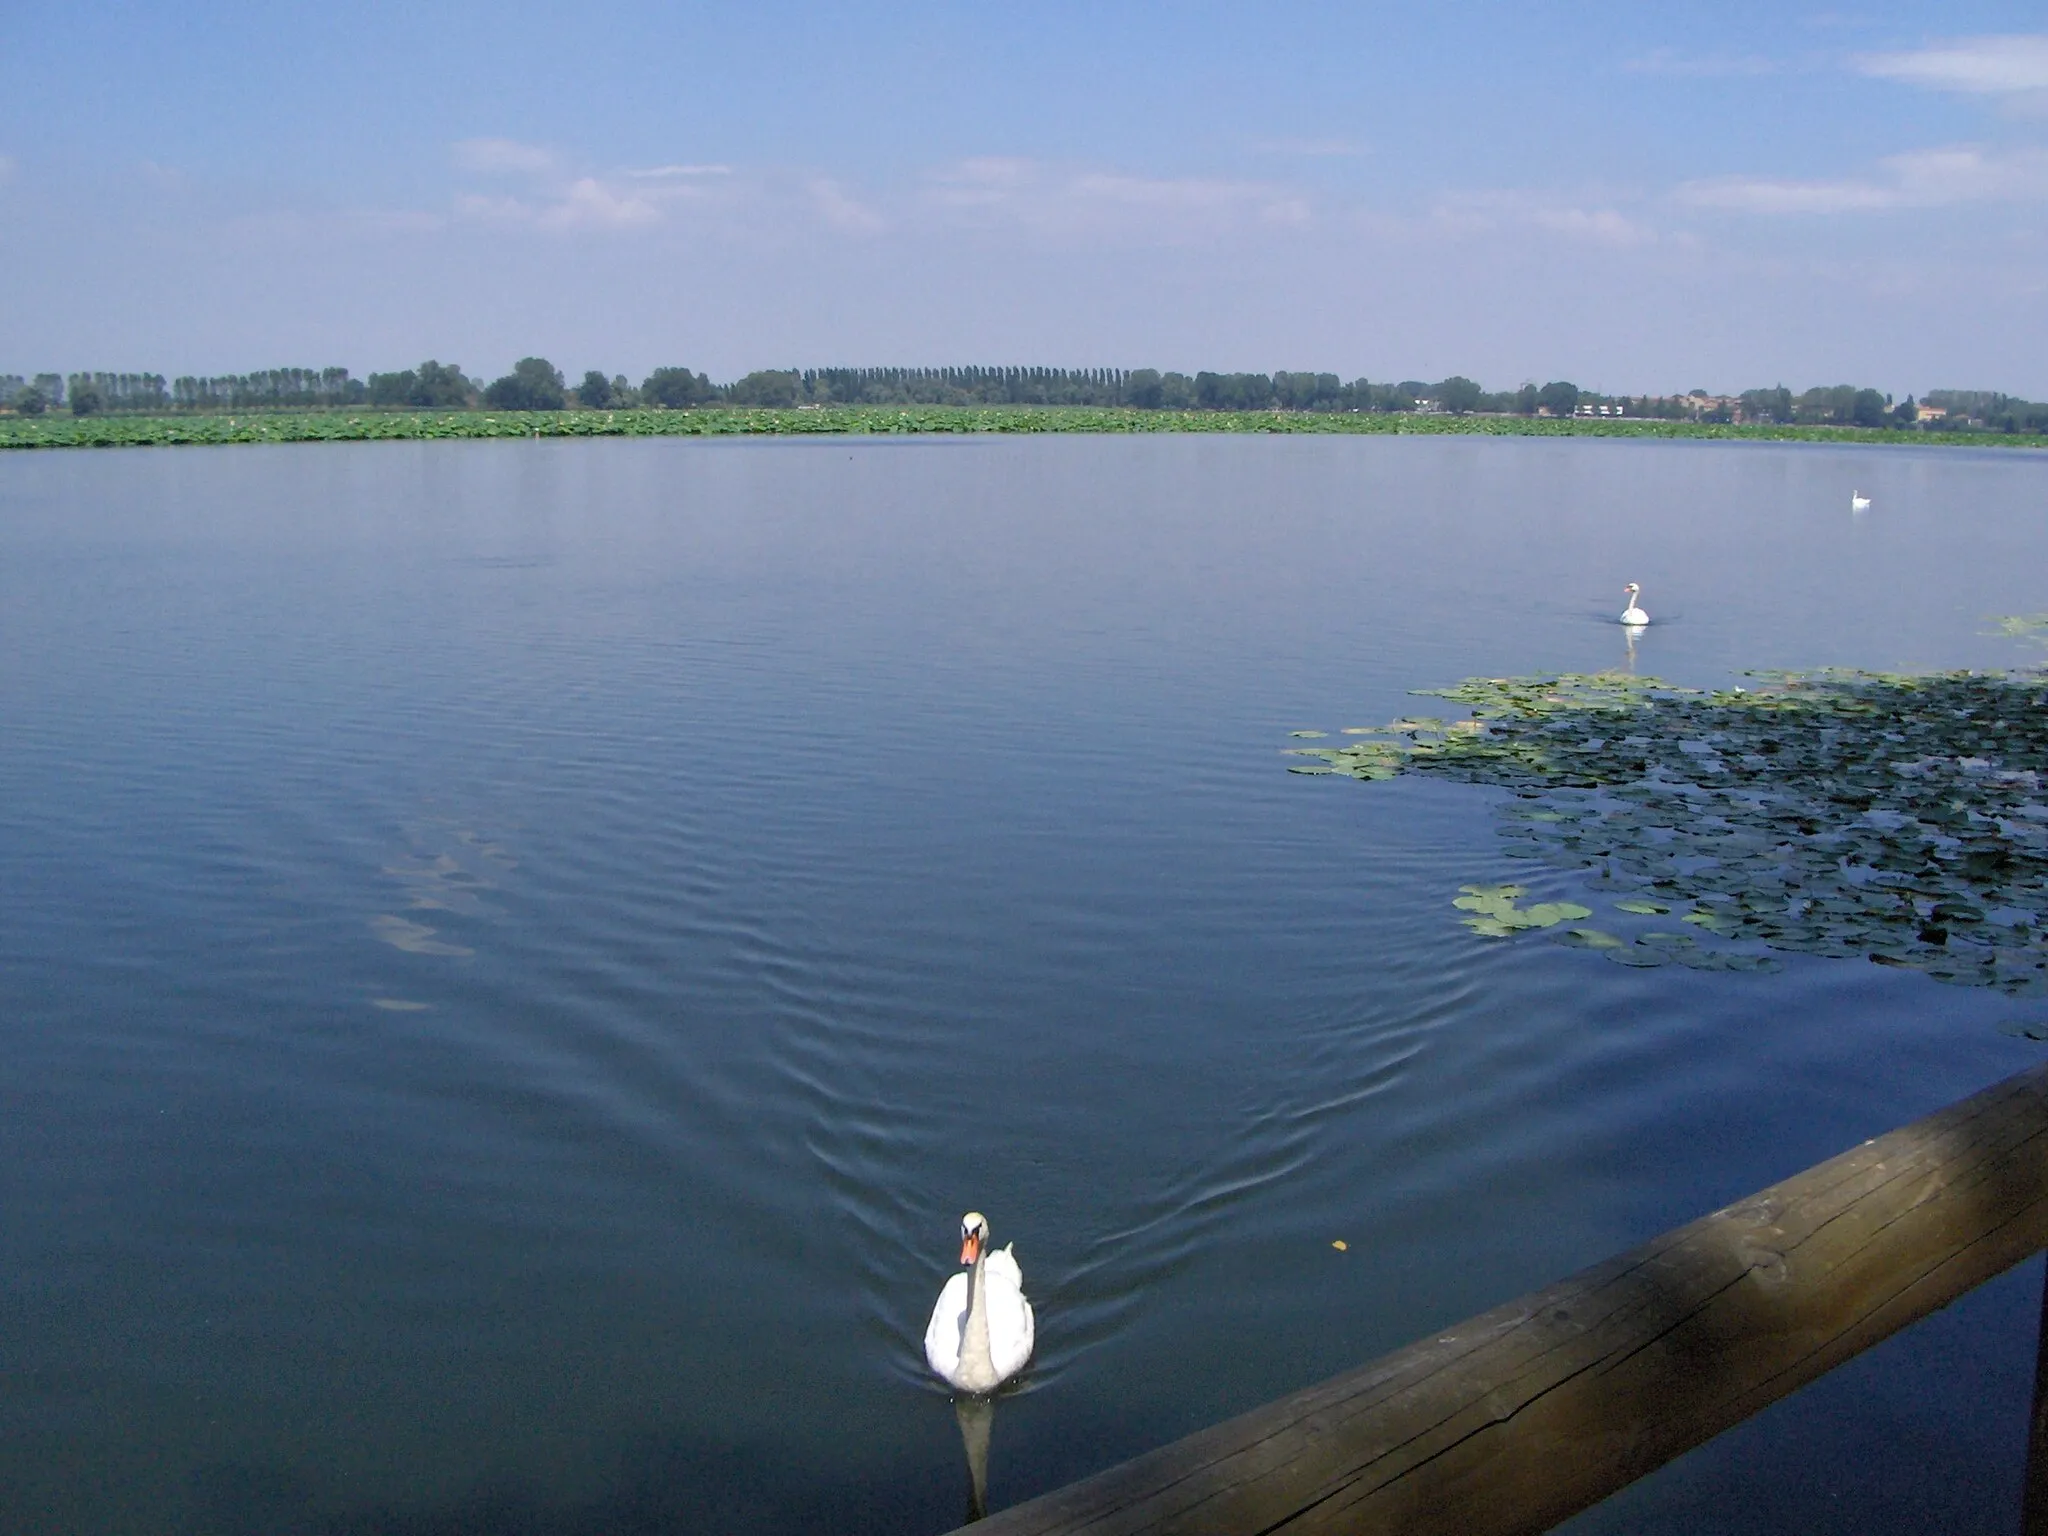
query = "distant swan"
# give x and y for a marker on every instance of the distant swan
(981, 1331)
(1633, 613)
(1858, 502)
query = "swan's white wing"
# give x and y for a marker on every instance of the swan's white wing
(1001, 1268)
(1011, 1327)
(949, 1320)
(1010, 1348)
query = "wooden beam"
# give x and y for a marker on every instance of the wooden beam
(1523, 1416)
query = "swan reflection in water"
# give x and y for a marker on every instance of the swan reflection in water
(977, 1417)
(980, 1335)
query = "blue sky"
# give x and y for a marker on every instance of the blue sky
(1637, 198)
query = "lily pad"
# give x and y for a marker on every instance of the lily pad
(1547, 914)
(1897, 817)
(1588, 938)
(1492, 927)
(1700, 958)
(1713, 922)
(1497, 916)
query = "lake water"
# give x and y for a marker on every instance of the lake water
(514, 957)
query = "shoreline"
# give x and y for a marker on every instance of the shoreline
(27, 432)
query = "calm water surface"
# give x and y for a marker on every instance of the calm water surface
(514, 956)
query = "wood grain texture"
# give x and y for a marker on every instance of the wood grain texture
(1518, 1418)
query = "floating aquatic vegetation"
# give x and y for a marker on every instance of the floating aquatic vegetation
(1589, 938)
(1901, 818)
(363, 424)
(2022, 626)
(1495, 915)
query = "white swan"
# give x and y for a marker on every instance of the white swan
(1858, 502)
(981, 1331)
(1633, 614)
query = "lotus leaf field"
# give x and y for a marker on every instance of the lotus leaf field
(1900, 818)
(120, 431)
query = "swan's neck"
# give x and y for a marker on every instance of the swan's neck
(976, 1358)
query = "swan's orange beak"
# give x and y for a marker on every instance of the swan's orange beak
(970, 1248)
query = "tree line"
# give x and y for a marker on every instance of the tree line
(535, 384)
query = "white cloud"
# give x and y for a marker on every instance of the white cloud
(1602, 226)
(985, 181)
(474, 205)
(1597, 223)
(843, 211)
(671, 172)
(589, 203)
(1202, 197)
(1066, 203)
(1745, 194)
(1059, 203)
(501, 157)
(1928, 178)
(586, 203)
(1982, 66)
(555, 198)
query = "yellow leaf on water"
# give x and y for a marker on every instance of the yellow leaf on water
(1341, 1246)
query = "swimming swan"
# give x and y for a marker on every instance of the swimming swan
(981, 1331)
(1633, 614)
(1858, 502)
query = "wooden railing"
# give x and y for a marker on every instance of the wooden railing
(1521, 1417)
